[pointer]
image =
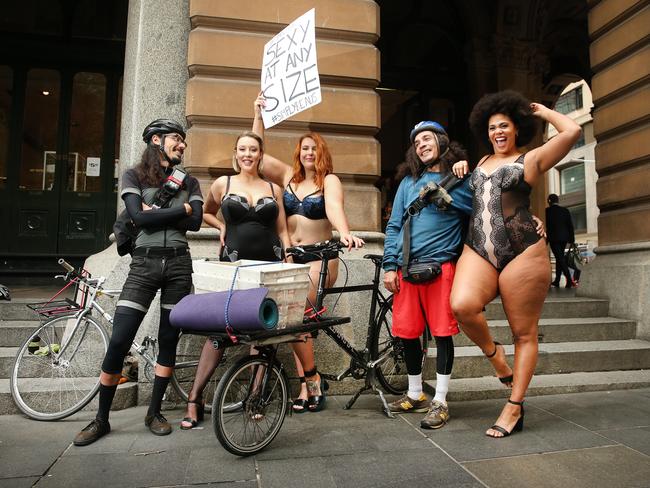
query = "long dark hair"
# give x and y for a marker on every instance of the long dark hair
(416, 167)
(149, 170)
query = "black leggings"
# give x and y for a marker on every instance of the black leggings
(444, 357)
(126, 324)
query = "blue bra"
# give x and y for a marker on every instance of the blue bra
(311, 207)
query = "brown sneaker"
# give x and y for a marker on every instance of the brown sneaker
(437, 416)
(91, 432)
(158, 424)
(407, 404)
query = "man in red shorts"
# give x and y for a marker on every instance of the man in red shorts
(436, 238)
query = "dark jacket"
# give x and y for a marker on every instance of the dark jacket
(559, 226)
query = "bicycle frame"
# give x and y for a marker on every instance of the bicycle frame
(359, 359)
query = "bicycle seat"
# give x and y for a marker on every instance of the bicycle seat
(375, 258)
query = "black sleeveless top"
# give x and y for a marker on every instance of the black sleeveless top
(250, 230)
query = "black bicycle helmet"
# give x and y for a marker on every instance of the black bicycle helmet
(162, 126)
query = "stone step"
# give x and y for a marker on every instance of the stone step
(564, 330)
(555, 358)
(126, 396)
(7, 355)
(545, 384)
(14, 332)
(558, 307)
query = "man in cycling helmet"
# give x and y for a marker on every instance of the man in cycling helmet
(161, 261)
(434, 236)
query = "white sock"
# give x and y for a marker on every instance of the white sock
(415, 386)
(442, 387)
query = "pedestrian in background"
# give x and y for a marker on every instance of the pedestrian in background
(559, 229)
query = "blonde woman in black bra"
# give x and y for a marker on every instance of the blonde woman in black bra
(313, 199)
(503, 253)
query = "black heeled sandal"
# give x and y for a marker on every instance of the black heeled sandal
(503, 379)
(299, 404)
(519, 426)
(200, 412)
(316, 403)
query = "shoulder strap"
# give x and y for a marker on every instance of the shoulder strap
(272, 190)
(227, 186)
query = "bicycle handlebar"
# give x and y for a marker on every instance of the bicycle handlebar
(65, 265)
(316, 248)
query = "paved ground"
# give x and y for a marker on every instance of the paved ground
(574, 441)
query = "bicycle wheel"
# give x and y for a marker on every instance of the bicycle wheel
(62, 376)
(250, 405)
(391, 371)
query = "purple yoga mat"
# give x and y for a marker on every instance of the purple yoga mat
(248, 310)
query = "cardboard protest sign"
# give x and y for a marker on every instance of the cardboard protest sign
(290, 79)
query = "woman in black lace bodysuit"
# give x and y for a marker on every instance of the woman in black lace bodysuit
(503, 254)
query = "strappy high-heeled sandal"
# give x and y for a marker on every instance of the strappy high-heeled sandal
(200, 411)
(316, 402)
(503, 379)
(300, 404)
(518, 427)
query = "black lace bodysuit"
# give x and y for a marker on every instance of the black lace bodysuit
(250, 230)
(501, 226)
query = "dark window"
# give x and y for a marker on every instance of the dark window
(572, 178)
(579, 217)
(6, 83)
(38, 158)
(86, 132)
(570, 101)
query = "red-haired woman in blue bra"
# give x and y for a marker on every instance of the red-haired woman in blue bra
(313, 200)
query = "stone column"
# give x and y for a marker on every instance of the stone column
(620, 60)
(155, 70)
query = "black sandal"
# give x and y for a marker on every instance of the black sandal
(200, 410)
(519, 426)
(503, 379)
(300, 404)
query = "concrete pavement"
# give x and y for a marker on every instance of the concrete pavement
(572, 440)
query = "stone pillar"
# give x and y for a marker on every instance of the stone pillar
(155, 70)
(620, 60)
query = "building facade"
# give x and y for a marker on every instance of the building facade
(384, 65)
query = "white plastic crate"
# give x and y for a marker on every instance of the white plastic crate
(254, 271)
(288, 284)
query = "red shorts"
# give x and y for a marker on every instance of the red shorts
(414, 306)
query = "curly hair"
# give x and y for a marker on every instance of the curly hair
(506, 102)
(148, 170)
(455, 153)
(323, 164)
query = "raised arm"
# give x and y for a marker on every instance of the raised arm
(333, 191)
(543, 158)
(273, 169)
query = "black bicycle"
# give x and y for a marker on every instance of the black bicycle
(252, 397)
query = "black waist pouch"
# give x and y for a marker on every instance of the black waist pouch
(422, 271)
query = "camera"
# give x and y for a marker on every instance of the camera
(434, 193)
(172, 185)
